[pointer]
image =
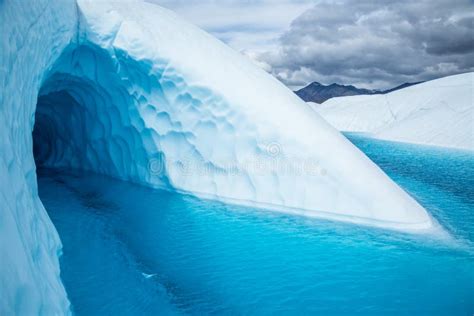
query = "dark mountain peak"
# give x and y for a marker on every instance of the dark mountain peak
(314, 84)
(403, 85)
(317, 92)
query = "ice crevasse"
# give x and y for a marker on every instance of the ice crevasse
(129, 90)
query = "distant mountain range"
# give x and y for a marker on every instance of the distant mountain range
(317, 92)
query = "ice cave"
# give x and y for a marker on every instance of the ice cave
(117, 88)
(86, 119)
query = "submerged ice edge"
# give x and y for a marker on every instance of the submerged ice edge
(429, 227)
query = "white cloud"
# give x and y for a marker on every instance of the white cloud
(253, 26)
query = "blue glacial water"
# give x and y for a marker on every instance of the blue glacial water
(130, 250)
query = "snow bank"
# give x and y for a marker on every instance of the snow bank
(438, 112)
(129, 90)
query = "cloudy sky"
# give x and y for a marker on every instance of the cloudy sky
(367, 43)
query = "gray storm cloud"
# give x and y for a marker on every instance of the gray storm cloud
(376, 44)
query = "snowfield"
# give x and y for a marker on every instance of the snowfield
(129, 90)
(438, 112)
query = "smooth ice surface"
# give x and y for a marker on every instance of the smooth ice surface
(438, 112)
(204, 258)
(129, 90)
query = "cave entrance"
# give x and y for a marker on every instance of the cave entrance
(80, 125)
(59, 135)
(87, 119)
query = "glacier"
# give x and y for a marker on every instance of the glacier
(439, 112)
(129, 90)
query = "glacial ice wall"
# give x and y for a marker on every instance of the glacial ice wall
(33, 36)
(129, 90)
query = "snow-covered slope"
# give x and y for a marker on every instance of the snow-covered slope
(129, 90)
(438, 112)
